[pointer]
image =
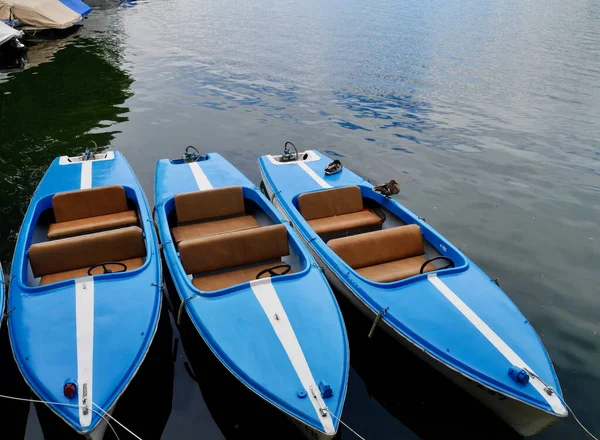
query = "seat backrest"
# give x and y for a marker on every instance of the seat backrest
(330, 202)
(233, 249)
(92, 202)
(211, 203)
(86, 250)
(379, 247)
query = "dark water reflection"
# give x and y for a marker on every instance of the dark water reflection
(486, 113)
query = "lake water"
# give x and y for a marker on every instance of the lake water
(487, 113)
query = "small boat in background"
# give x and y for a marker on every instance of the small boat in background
(38, 15)
(252, 290)
(10, 39)
(85, 292)
(419, 287)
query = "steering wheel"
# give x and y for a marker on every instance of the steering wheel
(438, 258)
(106, 269)
(286, 155)
(271, 270)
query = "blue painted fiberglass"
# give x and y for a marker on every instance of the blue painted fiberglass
(235, 324)
(459, 317)
(52, 344)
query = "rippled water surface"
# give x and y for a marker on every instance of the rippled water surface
(487, 113)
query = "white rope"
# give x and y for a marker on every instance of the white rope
(576, 419)
(350, 429)
(117, 422)
(72, 405)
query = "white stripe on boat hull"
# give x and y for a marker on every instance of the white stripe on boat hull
(84, 320)
(86, 175)
(523, 418)
(313, 175)
(201, 179)
(267, 297)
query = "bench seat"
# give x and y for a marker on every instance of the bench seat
(384, 256)
(339, 210)
(344, 222)
(395, 270)
(237, 256)
(231, 278)
(68, 258)
(92, 224)
(132, 263)
(90, 210)
(195, 230)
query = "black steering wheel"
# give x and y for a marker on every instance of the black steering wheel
(106, 269)
(271, 270)
(438, 258)
(286, 155)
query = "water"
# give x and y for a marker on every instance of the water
(487, 113)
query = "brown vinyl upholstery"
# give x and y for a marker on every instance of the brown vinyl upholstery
(90, 210)
(59, 259)
(222, 280)
(384, 256)
(261, 247)
(92, 224)
(195, 230)
(336, 210)
(209, 204)
(210, 212)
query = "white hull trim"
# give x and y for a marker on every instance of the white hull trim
(522, 417)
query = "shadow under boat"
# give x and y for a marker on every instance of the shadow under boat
(237, 411)
(144, 408)
(411, 391)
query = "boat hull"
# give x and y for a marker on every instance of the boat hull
(280, 317)
(523, 418)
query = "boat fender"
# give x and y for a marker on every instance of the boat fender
(70, 388)
(519, 375)
(325, 389)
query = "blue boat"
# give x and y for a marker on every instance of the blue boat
(85, 291)
(252, 290)
(2, 296)
(78, 6)
(417, 286)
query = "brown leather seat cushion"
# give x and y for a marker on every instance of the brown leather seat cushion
(80, 252)
(330, 202)
(395, 270)
(203, 229)
(85, 203)
(344, 222)
(222, 251)
(378, 247)
(207, 204)
(131, 264)
(92, 224)
(384, 256)
(231, 278)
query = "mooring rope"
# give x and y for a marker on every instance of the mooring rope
(346, 425)
(72, 405)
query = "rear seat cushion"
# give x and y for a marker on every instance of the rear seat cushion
(354, 220)
(395, 270)
(222, 251)
(92, 224)
(203, 229)
(93, 202)
(330, 202)
(214, 203)
(379, 247)
(231, 278)
(132, 263)
(67, 254)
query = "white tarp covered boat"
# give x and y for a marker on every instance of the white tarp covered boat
(8, 34)
(39, 14)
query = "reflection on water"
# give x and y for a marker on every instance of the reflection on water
(74, 94)
(485, 112)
